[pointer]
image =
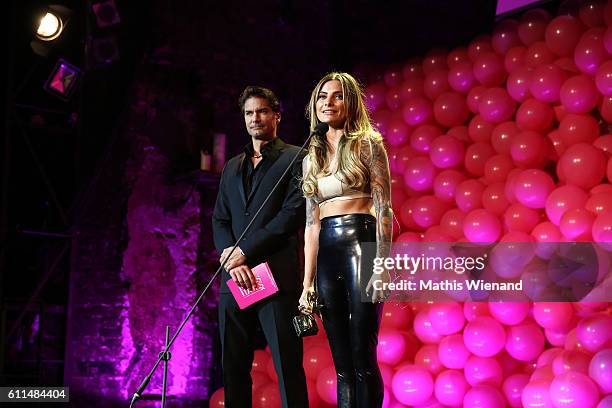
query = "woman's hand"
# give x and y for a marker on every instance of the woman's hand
(378, 285)
(305, 306)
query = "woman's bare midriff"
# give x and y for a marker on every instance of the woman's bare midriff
(342, 207)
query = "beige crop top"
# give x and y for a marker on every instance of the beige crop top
(331, 189)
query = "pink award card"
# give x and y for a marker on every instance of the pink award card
(266, 286)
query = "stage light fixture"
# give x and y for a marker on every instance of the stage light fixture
(50, 27)
(52, 22)
(106, 13)
(63, 80)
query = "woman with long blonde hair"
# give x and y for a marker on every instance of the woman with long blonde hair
(345, 180)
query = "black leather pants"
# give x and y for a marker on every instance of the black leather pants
(351, 325)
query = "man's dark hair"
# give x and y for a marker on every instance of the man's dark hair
(259, 92)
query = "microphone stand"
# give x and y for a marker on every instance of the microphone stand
(165, 354)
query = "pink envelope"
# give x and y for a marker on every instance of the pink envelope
(266, 286)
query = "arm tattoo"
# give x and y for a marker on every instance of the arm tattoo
(380, 183)
(311, 206)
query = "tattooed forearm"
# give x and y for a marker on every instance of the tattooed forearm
(381, 194)
(311, 216)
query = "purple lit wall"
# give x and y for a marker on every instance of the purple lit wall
(505, 6)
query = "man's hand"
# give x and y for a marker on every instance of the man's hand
(244, 277)
(378, 293)
(237, 259)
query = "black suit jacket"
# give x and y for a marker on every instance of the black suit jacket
(274, 235)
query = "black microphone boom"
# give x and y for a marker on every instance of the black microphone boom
(320, 130)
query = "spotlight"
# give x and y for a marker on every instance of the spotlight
(63, 79)
(50, 27)
(51, 24)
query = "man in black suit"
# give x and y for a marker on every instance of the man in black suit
(246, 181)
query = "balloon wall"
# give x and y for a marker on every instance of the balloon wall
(505, 139)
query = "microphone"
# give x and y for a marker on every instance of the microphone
(320, 130)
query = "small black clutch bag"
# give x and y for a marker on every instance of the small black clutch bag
(305, 324)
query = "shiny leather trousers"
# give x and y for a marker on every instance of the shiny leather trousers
(343, 271)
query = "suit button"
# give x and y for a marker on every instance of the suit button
(247, 214)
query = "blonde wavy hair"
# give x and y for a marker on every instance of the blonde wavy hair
(357, 130)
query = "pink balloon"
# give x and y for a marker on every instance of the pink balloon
(472, 310)
(326, 385)
(505, 36)
(484, 336)
(391, 347)
(316, 359)
(513, 389)
(534, 115)
(608, 36)
(460, 133)
(260, 361)
(494, 198)
(395, 316)
(428, 210)
(422, 136)
(593, 332)
(590, 52)
(525, 341)
(375, 95)
(562, 199)
(510, 182)
(446, 317)
(606, 402)
(567, 64)
(217, 400)
(496, 105)
(575, 128)
(604, 143)
(476, 156)
(417, 110)
(381, 119)
(436, 83)
(515, 58)
(600, 370)
(419, 174)
(483, 396)
(536, 395)
(468, 195)
(546, 235)
(562, 35)
(602, 228)
(529, 149)
(483, 371)
(592, 14)
(509, 313)
(605, 108)
(473, 97)
(538, 54)
(532, 188)
(520, 218)
(479, 129)
(497, 168)
(452, 351)
(576, 224)
(393, 77)
(461, 76)
(532, 26)
(553, 315)
(599, 203)
(574, 390)
(267, 396)
(519, 83)
(583, 165)
(413, 69)
(479, 46)
(450, 109)
(445, 184)
(489, 69)
(398, 133)
(557, 144)
(424, 329)
(427, 357)
(546, 82)
(457, 56)
(446, 152)
(603, 77)
(411, 88)
(571, 360)
(450, 388)
(579, 94)
(434, 60)
(501, 137)
(393, 97)
(412, 385)
(548, 356)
